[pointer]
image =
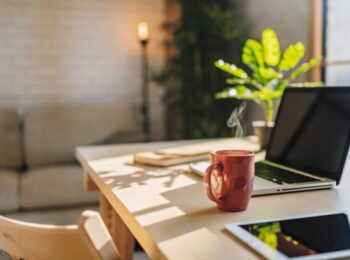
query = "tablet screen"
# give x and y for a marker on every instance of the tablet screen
(304, 236)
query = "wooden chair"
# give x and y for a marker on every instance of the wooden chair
(89, 239)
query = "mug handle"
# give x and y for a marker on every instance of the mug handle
(207, 179)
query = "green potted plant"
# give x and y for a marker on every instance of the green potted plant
(271, 72)
(205, 31)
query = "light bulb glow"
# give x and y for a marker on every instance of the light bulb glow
(142, 31)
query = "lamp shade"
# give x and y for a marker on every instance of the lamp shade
(142, 31)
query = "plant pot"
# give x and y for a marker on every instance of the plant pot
(263, 132)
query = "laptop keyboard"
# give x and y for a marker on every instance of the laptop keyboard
(278, 175)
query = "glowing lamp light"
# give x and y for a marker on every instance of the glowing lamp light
(143, 32)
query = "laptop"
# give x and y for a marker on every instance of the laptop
(309, 144)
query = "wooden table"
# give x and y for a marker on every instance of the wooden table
(166, 209)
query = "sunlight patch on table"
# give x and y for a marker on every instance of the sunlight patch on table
(140, 198)
(111, 164)
(208, 247)
(159, 216)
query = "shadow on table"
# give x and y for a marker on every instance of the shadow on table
(194, 205)
(184, 205)
(141, 177)
(199, 210)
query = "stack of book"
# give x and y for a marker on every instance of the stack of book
(191, 153)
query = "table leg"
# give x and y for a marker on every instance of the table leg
(120, 233)
(89, 184)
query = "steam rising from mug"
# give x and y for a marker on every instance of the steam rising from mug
(235, 120)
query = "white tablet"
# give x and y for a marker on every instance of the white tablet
(325, 236)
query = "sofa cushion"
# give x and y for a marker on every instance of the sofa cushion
(48, 187)
(10, 143)
(8, 191)
(52, 133)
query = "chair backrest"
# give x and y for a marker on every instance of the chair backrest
(89, 239)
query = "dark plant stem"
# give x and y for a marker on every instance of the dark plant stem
(145, 92)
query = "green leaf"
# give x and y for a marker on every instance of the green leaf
(252, 54)
(283, 84)
(243, 91)
(231, 68)
(247, 81)
(271, 47)
(259, 78)
(239, 92)
(265, 75)
(268, 73)
(307, 84)
(235, 81)
(267, 94)
(305, 67)
(292, 56)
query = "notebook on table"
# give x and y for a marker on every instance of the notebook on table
(190, 153)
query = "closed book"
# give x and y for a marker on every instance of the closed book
(191, 153)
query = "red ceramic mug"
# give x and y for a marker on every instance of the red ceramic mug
(228, 181)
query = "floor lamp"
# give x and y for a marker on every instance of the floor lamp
(143, 35)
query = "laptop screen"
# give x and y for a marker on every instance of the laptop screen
(312, 129)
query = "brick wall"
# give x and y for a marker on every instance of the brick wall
(77, 51)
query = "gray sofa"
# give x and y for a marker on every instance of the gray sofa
(40, 180)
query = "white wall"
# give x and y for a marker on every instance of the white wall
(77, 51)
(337, 42)
(289, 19)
